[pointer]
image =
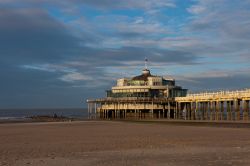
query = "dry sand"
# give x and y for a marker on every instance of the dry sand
(121, 143)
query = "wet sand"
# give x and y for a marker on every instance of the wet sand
(122, 143)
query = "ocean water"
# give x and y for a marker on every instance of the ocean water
(6, 114)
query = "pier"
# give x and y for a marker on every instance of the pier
(214, 106)
(148, 96)
(222, 105)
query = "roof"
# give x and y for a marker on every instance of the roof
(144, 76)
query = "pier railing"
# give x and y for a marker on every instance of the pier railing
(230, 95)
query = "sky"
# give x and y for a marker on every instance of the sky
(58, 53)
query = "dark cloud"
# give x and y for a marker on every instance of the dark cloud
(31, 35)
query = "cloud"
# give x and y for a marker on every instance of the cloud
(128, 4)
(235, 82)
(133, 29)
(228, 19)
(68, 74)
(34, 35)
(49, 68)
(75, 76)
(215, 80)
(196, 9)
(220, 30)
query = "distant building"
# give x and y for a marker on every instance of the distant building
(146, 86)
(142, 96)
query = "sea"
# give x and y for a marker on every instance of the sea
(15, 114)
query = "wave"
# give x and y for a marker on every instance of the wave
(13, 118)
(15, 114)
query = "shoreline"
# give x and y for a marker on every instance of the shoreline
(35, 119)
(45, 119)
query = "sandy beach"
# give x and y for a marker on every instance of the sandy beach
(121, 143)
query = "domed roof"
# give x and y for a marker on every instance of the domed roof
(144, 76)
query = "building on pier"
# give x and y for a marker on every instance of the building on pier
(142, 96)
